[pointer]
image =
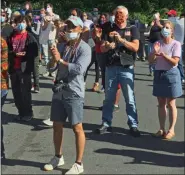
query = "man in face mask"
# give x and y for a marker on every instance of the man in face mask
(120, 43)
(49, 11)
(6, 28)
(112, 18)
(69, 91)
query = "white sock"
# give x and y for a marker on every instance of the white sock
(116, 106)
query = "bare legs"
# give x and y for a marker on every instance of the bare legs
(79, 135)
(162, 113)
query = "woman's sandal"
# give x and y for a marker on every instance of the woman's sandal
(169, 135)
(159, 134)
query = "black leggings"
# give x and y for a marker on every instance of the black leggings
(93, 60)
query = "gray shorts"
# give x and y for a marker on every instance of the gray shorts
(63, 107)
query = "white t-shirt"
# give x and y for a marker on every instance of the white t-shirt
(48, 34)
(88, 23)
(179, 28)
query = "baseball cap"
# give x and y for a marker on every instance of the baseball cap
(172, 12)
(76, 21)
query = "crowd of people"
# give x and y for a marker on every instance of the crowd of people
(67, 48)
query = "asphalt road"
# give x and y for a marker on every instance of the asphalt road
(29, 145)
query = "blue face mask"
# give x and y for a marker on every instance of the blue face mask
(2, 19)
(165, 32)
(21, 26)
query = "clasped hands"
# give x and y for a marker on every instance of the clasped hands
(117, 37)
(157, 52)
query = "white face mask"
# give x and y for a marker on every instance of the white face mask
(112, 18)
(72, 36)
(49, 10)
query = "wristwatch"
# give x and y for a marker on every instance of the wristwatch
(60, 61)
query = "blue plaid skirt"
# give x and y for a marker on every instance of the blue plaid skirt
(167, 83)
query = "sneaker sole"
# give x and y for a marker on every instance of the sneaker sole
(47, 123)
(53, 168)
(97, 131)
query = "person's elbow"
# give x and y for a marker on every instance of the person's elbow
(135, 46)
(75, 69)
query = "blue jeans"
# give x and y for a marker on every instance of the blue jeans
(125, 76)
(151, 66)
(46, 51)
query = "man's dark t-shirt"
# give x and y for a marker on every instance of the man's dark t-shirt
(155, 34)
(130, 33)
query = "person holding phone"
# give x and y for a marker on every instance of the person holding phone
(167, 80)
(23, 49)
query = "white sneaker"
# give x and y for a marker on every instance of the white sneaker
(48, 122)
(46, 74)
(102, 90)
(76, 169)
(54, 162)
(183, 81)
(53, 74)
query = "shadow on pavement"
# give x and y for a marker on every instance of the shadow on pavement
(46, 85)
(141, 74)
(139, 79)
(37, 124)
(121, 136)
(92, 108)
(147, 158)
(181, 107)
(34, 102)
(16, 162)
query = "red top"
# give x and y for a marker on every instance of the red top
(18, 43)
(97, 44)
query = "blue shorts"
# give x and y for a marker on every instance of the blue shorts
(67, 107)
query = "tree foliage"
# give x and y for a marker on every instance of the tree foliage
(142, 9)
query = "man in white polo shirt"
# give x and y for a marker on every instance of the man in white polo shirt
(179, 36)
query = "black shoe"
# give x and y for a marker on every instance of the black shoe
(27, 118)
(134, 132)
(18, 117)
(103, 129)
(3, 156)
